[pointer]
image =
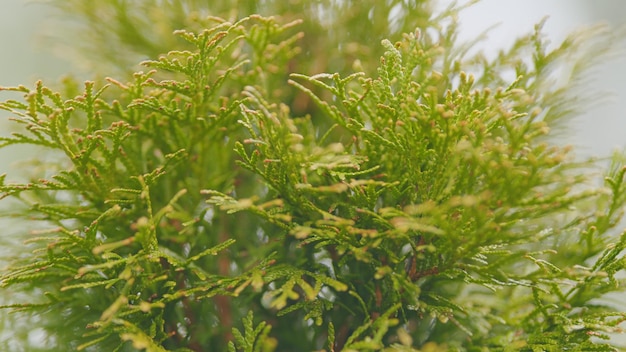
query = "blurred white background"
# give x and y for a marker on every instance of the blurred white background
(26, 56)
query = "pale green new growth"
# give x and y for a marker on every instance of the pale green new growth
(232, 197)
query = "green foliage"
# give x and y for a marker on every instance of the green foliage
(416, 204)
(247, 342)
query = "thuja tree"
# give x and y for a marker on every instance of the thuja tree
(230, 196)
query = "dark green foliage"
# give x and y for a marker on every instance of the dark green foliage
(201, 205)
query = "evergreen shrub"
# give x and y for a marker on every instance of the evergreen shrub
(302, 183)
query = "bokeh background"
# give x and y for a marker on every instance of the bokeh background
(27, 53)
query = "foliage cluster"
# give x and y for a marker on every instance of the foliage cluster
(221, 199)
